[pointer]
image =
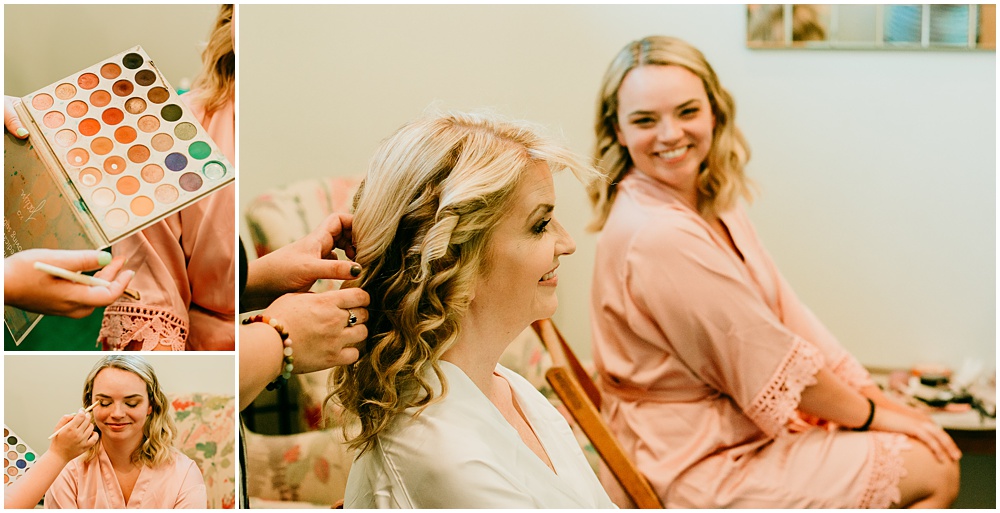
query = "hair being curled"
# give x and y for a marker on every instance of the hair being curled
(158, 432)
(721, 182)
(216, 84)
(424, 216)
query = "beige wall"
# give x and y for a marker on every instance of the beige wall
(41, 388)
(44, 43)
(877, 168)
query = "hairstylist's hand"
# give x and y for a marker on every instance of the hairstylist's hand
(76, 438)
(295, 267)
(318, 325)
(925, 431)
(10, 120)
(35, 291)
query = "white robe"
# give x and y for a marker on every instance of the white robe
(462, 453)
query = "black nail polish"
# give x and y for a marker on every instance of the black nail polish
(355, 270)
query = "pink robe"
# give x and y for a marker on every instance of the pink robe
(702, 358)
(93, 485)
(185, 268)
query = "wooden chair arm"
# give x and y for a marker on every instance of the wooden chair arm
(587, 416)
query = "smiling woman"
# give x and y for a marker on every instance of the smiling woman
(458, 246)
(134, 465)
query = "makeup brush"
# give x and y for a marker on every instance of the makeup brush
(83, 279)
(53, 435)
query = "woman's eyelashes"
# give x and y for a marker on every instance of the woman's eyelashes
(539, 228)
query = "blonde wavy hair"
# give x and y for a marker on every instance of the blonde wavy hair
(216, 84)
(158, 432)
(424, 216)
(722, 180)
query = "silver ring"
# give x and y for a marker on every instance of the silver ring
(351, 318)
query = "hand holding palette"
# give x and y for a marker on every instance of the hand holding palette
(112, 149)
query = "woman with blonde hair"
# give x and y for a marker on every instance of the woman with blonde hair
(456, 237)
(134, 465)
(724, 388)
(185, 264)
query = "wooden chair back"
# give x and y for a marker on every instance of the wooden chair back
(581, 397)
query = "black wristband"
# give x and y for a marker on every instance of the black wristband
(871, 416)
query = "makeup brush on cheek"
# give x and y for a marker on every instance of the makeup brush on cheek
(53, 435)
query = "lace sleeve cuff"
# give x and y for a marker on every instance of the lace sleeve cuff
(124, 323)
(778, 400)
(852, 372)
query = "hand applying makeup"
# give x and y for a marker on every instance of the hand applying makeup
(10, 120)
(35, 291)
(74, 434)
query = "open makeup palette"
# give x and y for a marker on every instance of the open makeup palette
(17, 456)
(112, 149)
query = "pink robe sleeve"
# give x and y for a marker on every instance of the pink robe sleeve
(63, 492)
(801, 320)
(193, 493)
(716, 324)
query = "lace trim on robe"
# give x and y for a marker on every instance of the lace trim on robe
(150, 325)
(852, 372)
(778, 400)
(886, 471)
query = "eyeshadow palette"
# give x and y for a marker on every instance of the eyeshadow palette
(112, 149)
(17, 456)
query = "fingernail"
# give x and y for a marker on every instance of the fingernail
(104, 258)
(21, 132)
(355, 270)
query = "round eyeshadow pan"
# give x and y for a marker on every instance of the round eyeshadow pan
(77, 157)
(141, 206)
(53, 119)
(132, 60)
(125, 134)
(41, 101)
(90, 176)
(199, 150)
(148, 124)
(213, 170)
(151, 173)
(171, 112)
(145, 77)
(65, 91)
(166, 193)
(88, 81)
(175, 162)
(135, 105)
(122, 88)
(103, 197)
(185, 131)
(89, 127)
(114, 165)
(65, 138)
(76, 109)
(158, 94)
(101, 145)
(112, 116)
(100, 98)
(116, 218)
(111, 70)
(190, 182)
(127, 185)
(162, 142)
(138, 154)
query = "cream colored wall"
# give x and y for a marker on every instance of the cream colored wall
(44, 43)
(877, 168)
(40, 389)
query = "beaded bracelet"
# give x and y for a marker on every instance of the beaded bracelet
(871, 416)
(287, 361)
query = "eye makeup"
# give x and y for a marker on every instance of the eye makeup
(111, 150)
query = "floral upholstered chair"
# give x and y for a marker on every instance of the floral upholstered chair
(206, 424)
